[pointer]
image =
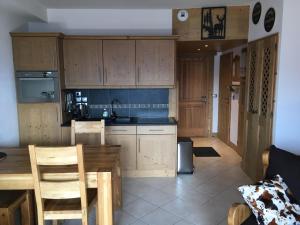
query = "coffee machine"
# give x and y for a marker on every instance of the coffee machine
(76, 105)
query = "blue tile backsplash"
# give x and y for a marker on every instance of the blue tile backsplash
(148, 103)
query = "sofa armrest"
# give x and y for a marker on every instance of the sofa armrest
(238, 213)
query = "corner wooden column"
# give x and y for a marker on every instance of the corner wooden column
(105, 198)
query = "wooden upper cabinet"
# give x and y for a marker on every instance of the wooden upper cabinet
(155, 62)
(83, 63)
(35, 53)
(119, 62)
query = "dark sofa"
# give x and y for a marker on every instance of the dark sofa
(276, 161)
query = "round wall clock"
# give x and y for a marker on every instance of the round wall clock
(256, 13)
(182, 15)
(270, 19)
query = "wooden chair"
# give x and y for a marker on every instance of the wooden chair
(87, 128)
(10, 201)
(239, 212)
(56, 198)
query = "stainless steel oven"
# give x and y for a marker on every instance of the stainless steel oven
(35, 86)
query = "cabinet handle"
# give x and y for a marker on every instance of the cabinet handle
(119, 130)
(155, 130)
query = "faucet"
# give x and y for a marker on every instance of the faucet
(113, 114)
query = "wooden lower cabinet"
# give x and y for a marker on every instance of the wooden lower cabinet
(147, 151)
(156, 152)
(128, 152)
(39, 124)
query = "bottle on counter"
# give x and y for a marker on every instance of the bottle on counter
(105, 113)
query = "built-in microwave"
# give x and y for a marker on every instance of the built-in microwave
(36, 86)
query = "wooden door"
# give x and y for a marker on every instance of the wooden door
(119, 62)
(128, 151)
(155, 152)
(260, 83)
(35, 53)
(195, 88)
(83, 63)
(39, 124)
(226, 66)
(155, 62)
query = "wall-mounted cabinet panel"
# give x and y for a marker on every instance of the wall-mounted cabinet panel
(237, 24)
(35, 53)
(83, 63)
(119, 62)
(155, 62)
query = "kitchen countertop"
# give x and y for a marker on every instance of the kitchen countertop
(131, 121)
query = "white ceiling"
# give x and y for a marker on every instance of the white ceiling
(138, 4)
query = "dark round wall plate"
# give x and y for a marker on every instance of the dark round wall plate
(270, 19)
(2, 156)
(256, 13)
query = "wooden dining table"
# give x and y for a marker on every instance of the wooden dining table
(102, 168)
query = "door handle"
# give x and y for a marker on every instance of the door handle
(203, 99)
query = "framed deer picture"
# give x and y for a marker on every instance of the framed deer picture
(213, 23)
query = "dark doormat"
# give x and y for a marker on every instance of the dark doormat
(205, 152)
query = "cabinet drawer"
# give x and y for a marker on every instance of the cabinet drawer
(156, 129)
(120, 129)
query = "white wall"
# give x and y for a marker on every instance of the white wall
(287, 111)
(25, 7)
(258, 31)
(10, 20)
(107, 21)
(216, 92)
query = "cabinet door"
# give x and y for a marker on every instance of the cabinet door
(128, 152)
(83, 63)
(156, 152)
(119, 62)
(39, 124)
(35, 53)
(155, 62)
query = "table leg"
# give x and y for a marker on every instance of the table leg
(105, 198)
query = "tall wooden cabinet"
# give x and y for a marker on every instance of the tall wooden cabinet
(83, 63)
(39, 124)
(155, 62)
(33, 52)
(260, 87)
(119, 62)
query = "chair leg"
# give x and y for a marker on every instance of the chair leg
(27, 210)
(5, 218)
(97, 215)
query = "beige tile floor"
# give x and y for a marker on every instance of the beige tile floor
(199, 199)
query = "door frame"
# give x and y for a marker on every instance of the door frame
(228, 142)
(210, 87)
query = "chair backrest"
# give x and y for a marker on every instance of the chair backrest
(87, 127)
(43, 158)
